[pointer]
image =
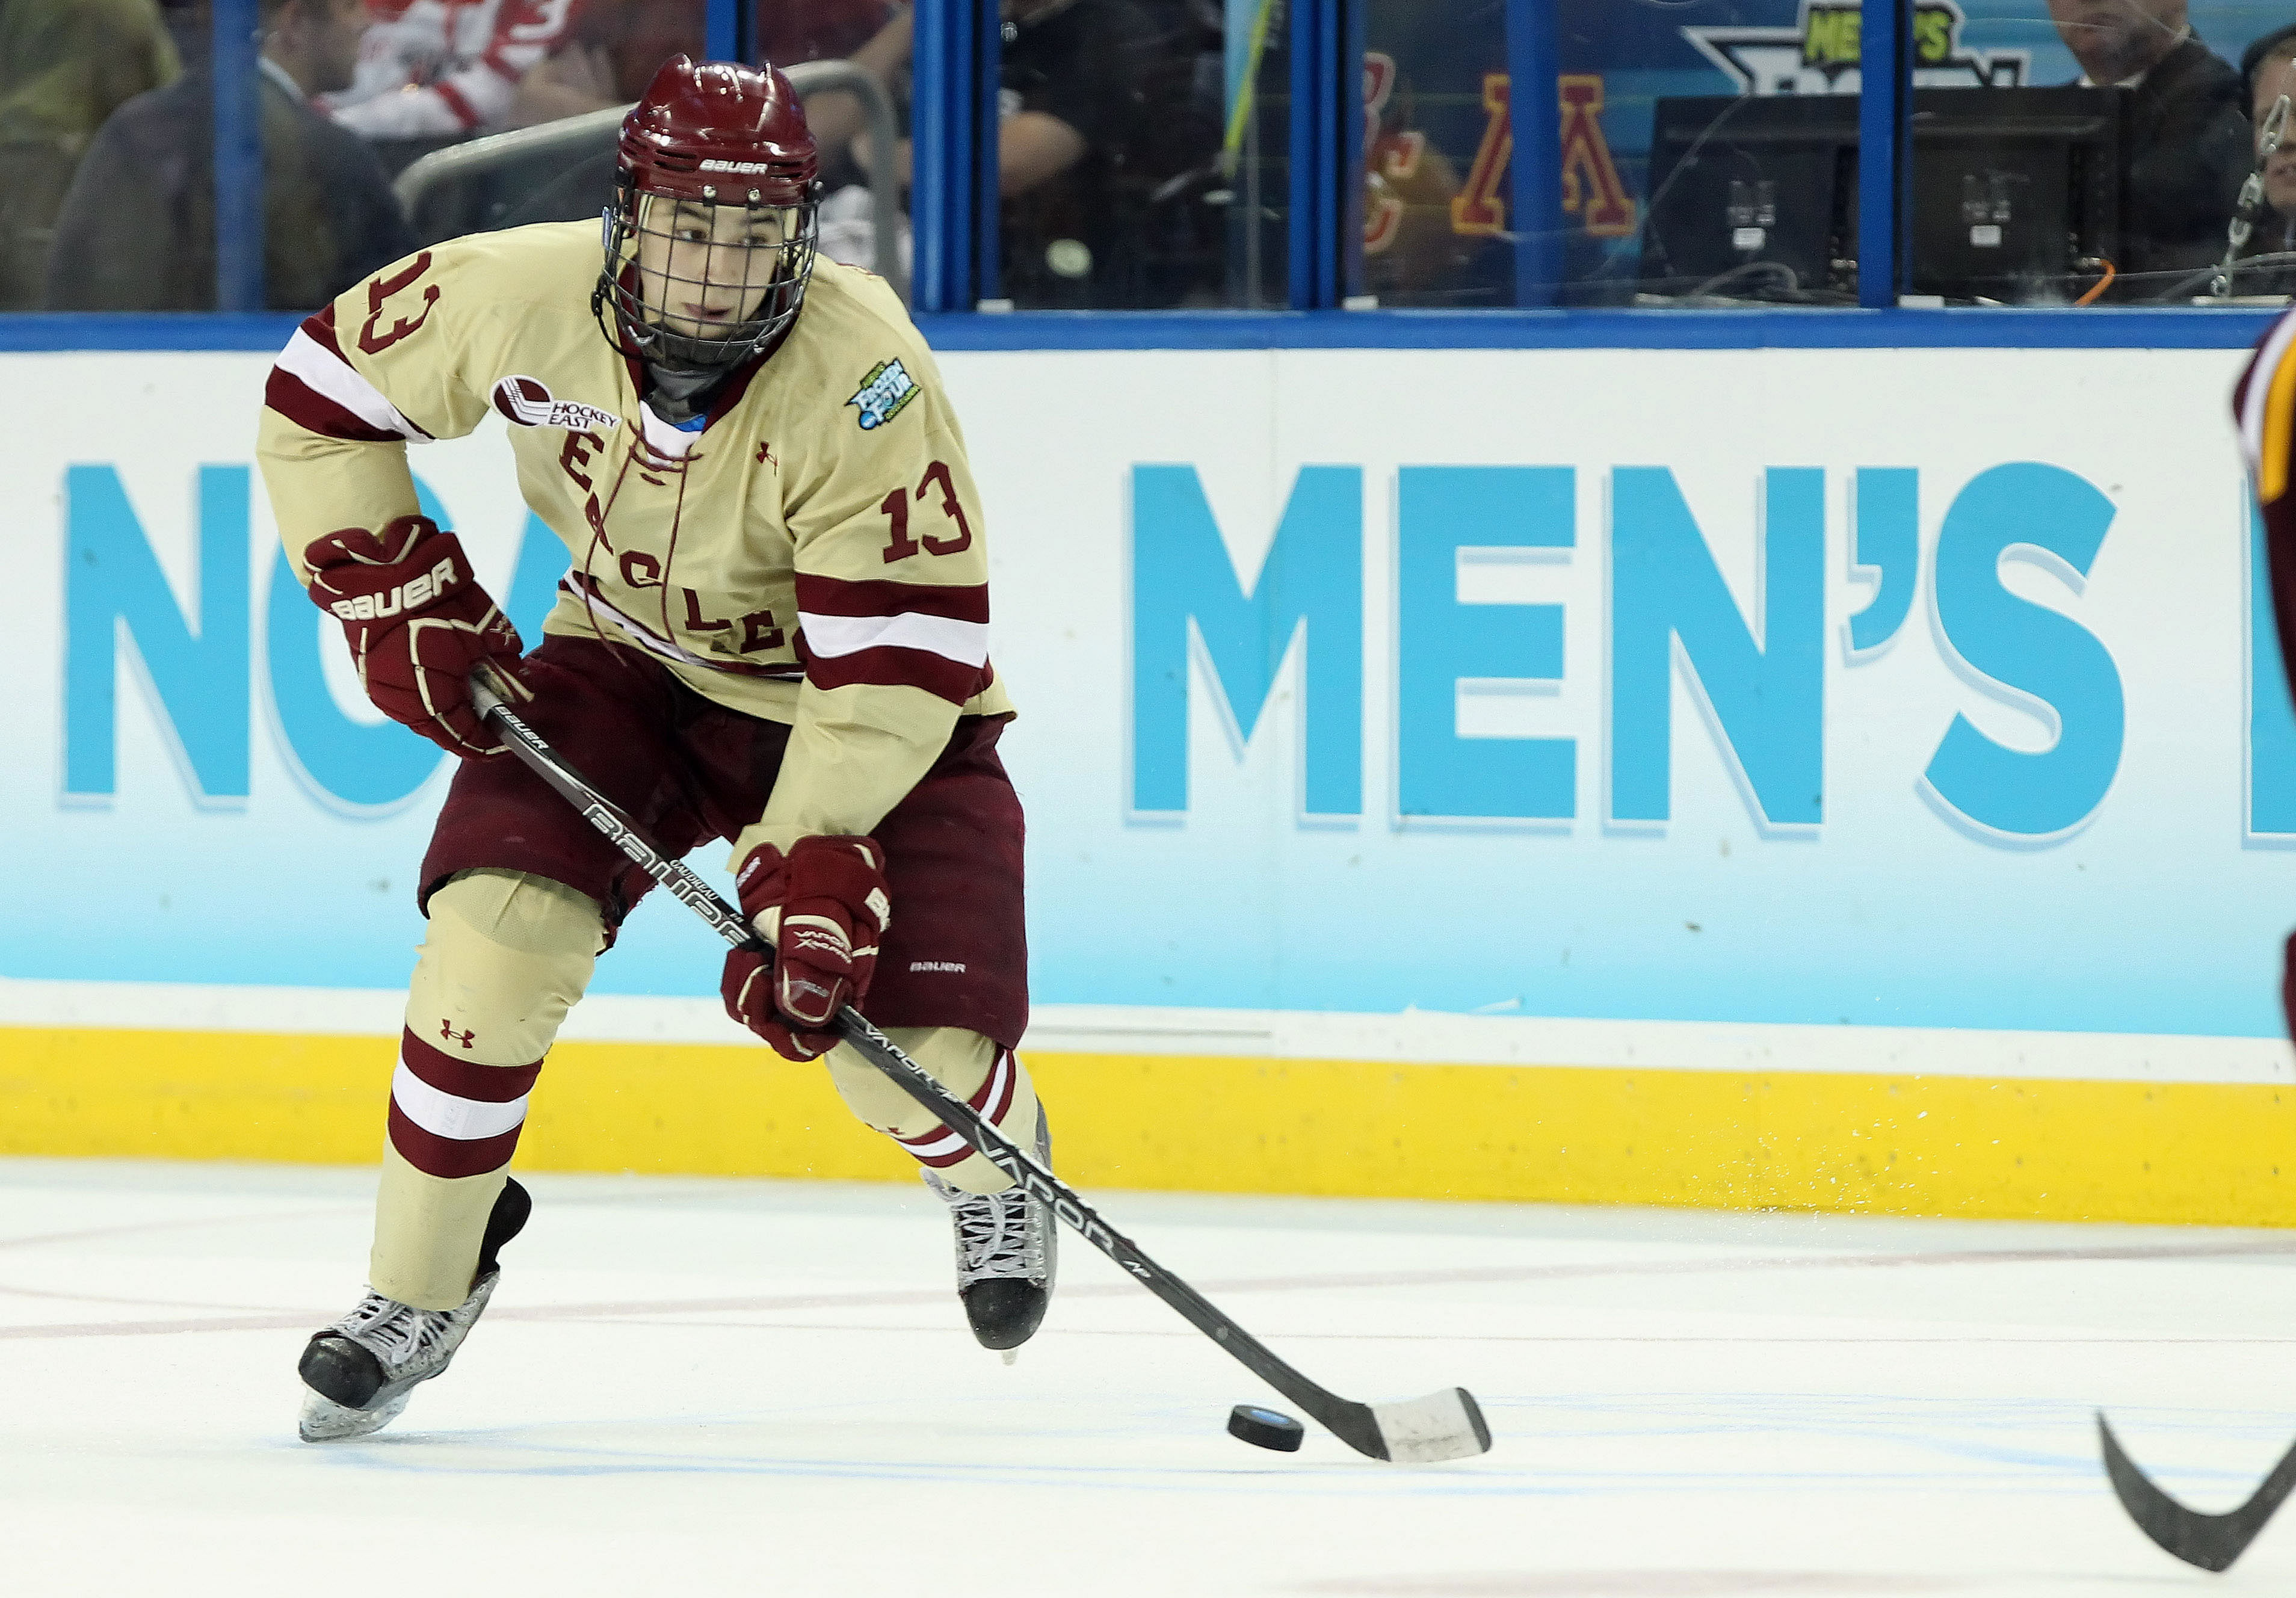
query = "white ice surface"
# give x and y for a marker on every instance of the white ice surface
(701, 1388)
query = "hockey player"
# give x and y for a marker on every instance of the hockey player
(774, 632)
(2264, 405)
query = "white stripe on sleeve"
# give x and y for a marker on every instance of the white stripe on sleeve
(305, 357)
(964, 642)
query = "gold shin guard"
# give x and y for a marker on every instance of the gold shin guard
(506, 956)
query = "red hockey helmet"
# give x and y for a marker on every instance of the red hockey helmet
(709, 243)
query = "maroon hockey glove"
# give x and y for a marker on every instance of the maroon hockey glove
(418, 622)
(822, 908)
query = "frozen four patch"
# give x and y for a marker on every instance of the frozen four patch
(882, 394)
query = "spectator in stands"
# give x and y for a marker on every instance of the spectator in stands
(137, 230)
(612, 48)
(1095, 115)
(65, 65)
(2187, 133)
(444, 68)
(2269, 69)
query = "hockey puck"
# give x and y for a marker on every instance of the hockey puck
(1266, 1427)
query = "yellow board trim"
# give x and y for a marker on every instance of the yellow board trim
(2050, 1150)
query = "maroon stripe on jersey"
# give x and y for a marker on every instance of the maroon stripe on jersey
(462, 1076)
(315, 413)
(320, 324)
(834, 596)
(437, 1155)
(894, 668)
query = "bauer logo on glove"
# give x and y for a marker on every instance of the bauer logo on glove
(418, 624)
(406, 596)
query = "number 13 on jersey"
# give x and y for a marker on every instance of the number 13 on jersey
(896, 506)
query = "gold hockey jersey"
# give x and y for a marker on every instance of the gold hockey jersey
(810, 549)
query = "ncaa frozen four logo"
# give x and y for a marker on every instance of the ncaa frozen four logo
(882, 394)
(527, 402)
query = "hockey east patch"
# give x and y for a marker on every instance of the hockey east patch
(528, 401)
(882, 394)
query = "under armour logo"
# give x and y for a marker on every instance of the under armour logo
(447, 1030)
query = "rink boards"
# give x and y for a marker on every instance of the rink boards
(1823, 778)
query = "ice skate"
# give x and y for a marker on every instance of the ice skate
(1006, 1249)
(358, 1372)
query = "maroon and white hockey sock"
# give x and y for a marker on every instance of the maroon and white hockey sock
(941, 1148)
(455, 1118)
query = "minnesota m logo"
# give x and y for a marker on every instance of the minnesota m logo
(1591, 189)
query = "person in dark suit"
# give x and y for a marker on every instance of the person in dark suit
(137, 231)
(2188, 132)
(65, 65)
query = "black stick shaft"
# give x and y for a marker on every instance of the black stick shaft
(1345, 1419)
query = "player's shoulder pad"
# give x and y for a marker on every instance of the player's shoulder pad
(486, 278)
(858, 335)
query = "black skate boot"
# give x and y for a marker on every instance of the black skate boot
(1007, 1249)
(358, 1372)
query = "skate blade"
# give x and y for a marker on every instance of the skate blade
(324, 1421)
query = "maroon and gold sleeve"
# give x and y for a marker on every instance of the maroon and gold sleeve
(892, 596)
(376, 371)
(2263, 404)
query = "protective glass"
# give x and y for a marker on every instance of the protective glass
(2088, 153)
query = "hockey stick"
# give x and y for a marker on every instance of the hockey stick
(1447, 1424)
(2211, 1542)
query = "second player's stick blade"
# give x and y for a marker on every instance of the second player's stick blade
(1445, 1425)
(2211, 1542)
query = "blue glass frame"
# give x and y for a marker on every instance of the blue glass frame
(954, 202)
(726, 29)
(1885, 83)
(235, 43)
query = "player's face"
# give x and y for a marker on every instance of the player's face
(703, 269)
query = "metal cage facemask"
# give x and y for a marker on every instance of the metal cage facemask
(704, 283)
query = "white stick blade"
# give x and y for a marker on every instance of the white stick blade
(1445, 1425)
